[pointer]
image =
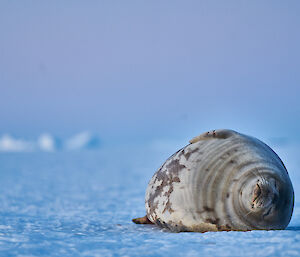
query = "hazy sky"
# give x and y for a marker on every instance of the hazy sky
(146, 69)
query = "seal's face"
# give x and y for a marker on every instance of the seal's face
(264, 197)
(268, 202)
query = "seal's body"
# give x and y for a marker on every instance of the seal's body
(222, 180)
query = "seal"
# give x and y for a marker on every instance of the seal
(221, 181)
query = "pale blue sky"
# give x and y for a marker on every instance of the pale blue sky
(149, 69)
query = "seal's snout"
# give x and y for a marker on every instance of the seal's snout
(256, 194)
(264, 197)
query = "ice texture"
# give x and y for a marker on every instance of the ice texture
(82, 203)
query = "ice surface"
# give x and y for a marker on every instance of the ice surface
(81, 204)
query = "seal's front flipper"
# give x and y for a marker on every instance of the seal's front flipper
(143, 220)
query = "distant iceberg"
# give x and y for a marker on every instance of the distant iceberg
(10, 144)
(84, 140)
(48, 143)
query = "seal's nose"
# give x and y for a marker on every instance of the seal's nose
(256, 193)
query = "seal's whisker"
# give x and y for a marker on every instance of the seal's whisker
(262, 178)
(251, 211)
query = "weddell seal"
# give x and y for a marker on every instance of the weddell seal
(221, 181)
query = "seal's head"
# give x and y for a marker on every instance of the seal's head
(265, 196)
(268, 201)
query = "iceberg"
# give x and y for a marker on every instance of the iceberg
(10, 144)
(46, 143)
(83, 140)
